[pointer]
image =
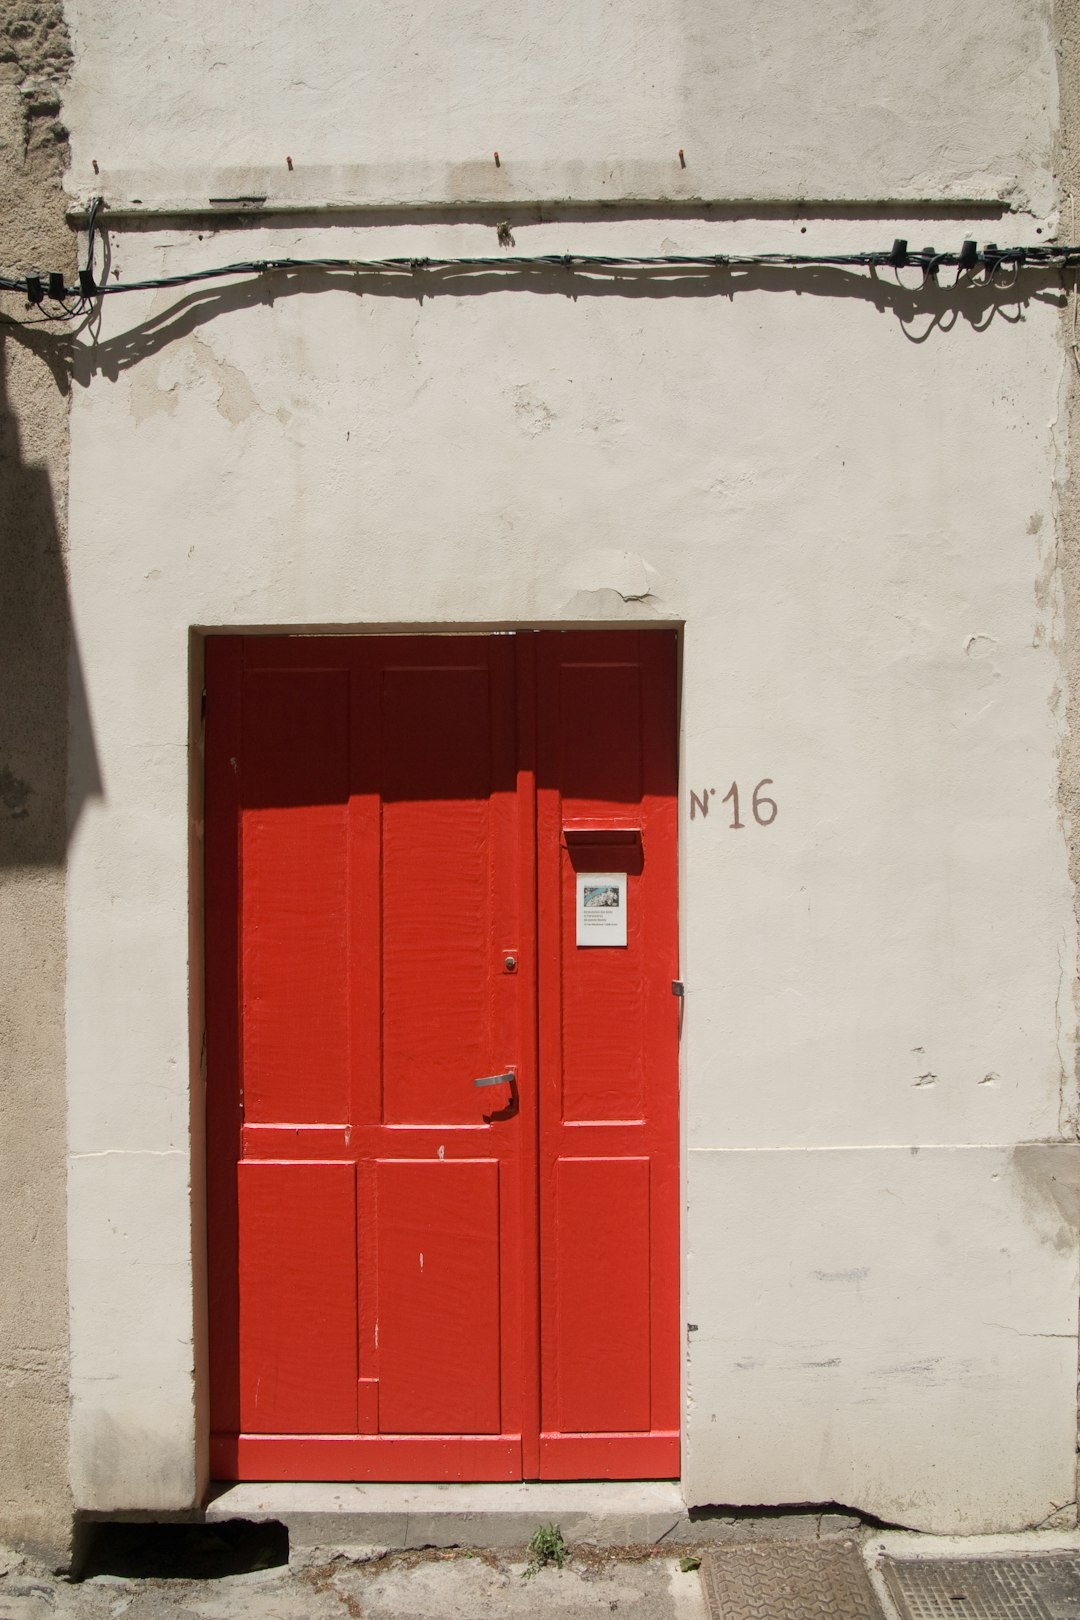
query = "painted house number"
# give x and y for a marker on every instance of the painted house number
(764, 809)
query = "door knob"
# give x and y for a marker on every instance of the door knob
(496, 1079)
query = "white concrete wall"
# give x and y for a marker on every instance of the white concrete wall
(857, 99)
(850, 508)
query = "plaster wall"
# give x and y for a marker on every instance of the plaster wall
(858, 100)
(35, 1503)
(846, 495)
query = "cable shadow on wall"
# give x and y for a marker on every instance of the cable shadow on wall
(48, 760)
(921, 311)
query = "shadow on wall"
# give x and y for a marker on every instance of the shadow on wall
(43, 709)
(920, 308)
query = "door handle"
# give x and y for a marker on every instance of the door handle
(511, 1107)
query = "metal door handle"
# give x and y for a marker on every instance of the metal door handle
(497, 1079)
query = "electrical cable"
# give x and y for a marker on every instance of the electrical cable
(969, 258)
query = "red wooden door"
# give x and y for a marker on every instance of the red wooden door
(608, 1149)
(413, 1276)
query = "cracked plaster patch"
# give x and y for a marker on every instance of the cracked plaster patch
(607, 569)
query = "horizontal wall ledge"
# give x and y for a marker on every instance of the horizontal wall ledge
(476, 184)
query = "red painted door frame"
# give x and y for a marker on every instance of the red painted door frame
(517, 1246)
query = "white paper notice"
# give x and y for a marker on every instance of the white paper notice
(601, 908)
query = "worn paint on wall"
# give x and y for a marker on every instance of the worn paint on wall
(35, 1505)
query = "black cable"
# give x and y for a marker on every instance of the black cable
(87, 285)
(58, 292)
(968, 258)
(993, 259)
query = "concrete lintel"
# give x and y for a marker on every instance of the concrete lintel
(178, 210)
(485, 183)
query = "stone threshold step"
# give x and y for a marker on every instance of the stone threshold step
(404, 1517)
(410, 1516)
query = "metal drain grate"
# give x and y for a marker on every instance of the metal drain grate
(1043, 1587)
(788, 1580)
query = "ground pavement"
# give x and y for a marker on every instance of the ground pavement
(203, 1572)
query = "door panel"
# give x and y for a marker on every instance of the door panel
(601, 1288)
(293, 835)
(438, 1328)
(298, 1285)
(413, 1277)
(603, 1008)
(443, 751)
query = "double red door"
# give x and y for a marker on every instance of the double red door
(414, 1276)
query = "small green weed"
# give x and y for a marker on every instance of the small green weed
(546, 1546)
(688, 1562)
